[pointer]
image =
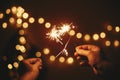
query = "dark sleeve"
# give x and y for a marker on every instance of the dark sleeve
(106, 69)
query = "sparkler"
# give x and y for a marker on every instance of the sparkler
(57, 33)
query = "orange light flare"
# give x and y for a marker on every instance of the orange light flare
(57, 33)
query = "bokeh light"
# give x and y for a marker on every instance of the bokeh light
(109, 28)
(47, 25)
(4, 25)
(102, 35)
(1, 15)
(79, 35)
(41, 20)
(38, 54)
(72, 32)
(107, 43)
(52, 58)
(116, 43)
(31, 20)
(117, 29)
(10, 66)
(87, 37)
(46, 51)
(25, 25)
(95, 37)
(70, 60)
(20, 57)
(61, 59)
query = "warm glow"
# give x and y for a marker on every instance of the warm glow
(7, 11)
(4, 25)
(10, 66)
(38, 54)
(116, 43)
(47, 25)
(14, 10)
(12, 20)
(107, 43)
(31, 20)
(87, 37)
(19, 21)
(79, 35)
(95, 36)
(72, 32)
(117, 29)
(22, 49)
(1, 15)
(109, 27)
(70, 60)
(25, 15)
(61, 59)
(17, 47)
(25, 25)
(15, 64)
(46, 51)
(41, 20)
(21, 32)
(52, 58)
(20, 57)
(102, 35)
(22, 40)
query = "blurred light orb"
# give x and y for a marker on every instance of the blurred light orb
(79, 35)
(4, 25)
(47, 25)
(102, 35)
(107, 43)
(52, 58)
(70, 60)
(7, 11)
(72, 32)
(41, 20)
(46, 51)
(38, 54)
(21, 32)
(117, 29)
(14, 9)
(25, 15)
(116, 43)
(11, 20)
(61, 59)
(31, 20)
(87, 37)
(10, 66)
(22, 40)
(25, 25)
(19, 21)
(95, 37)
(20, 57)
(109, 28)
(1, 15)
(15, 64)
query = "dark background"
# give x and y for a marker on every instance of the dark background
(90, 16)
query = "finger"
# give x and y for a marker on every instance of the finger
(82, 51)
(38, 64)
(75, 54)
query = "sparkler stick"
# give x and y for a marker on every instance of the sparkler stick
(57, 33)
(64, 50)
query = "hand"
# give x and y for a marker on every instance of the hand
(33, 66)
(92, 52)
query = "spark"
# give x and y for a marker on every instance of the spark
(57, 34)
